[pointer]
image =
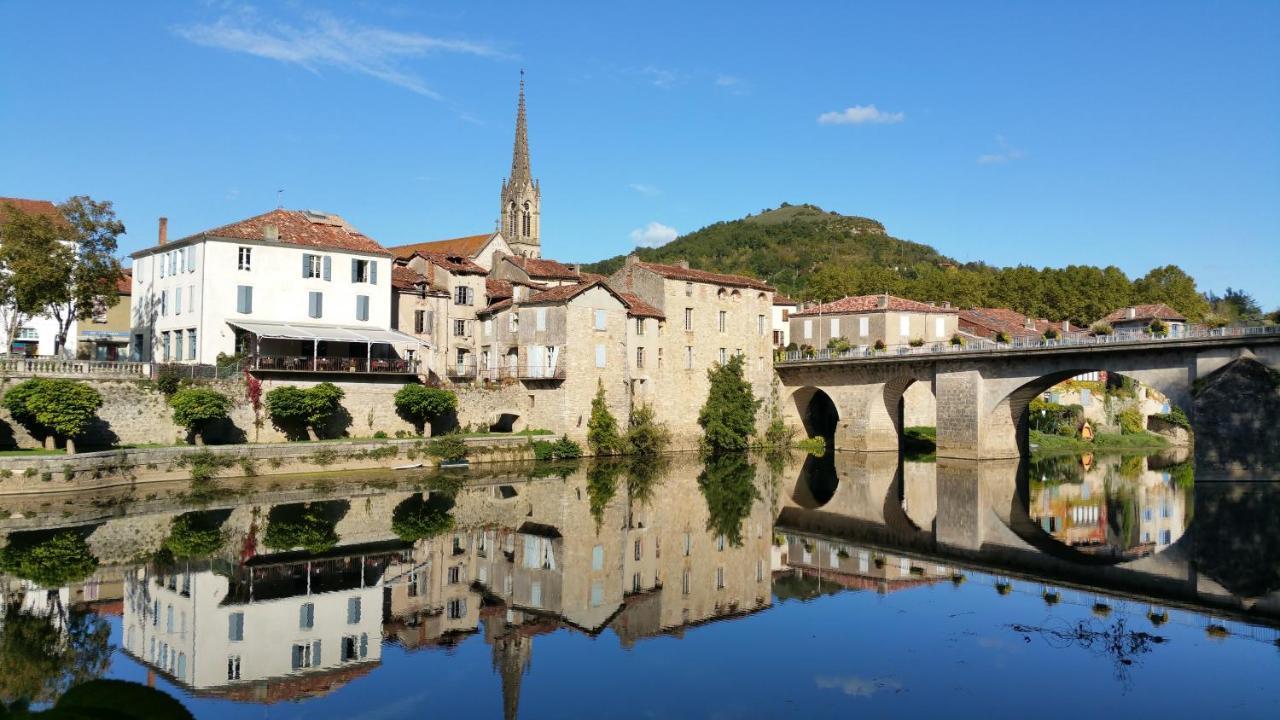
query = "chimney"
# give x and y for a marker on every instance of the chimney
(1131, 312)
(576, 268)
(632, 259)
(270, 232)
(946, 304)
(1029, 323)
(164, 231)
(883, 301)
(683, 264)
(1066, 326)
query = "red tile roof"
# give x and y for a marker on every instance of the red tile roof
(299, 227)
(988, 322)
(497, 289)
(124, 283)
(562, 293)
(31, 207)
(1153, 311)
(783, 300)
(467, 246)
(871, 303)
(539, 268)
(457, 264)
(406, 278)
(639, 308)
(679, 272)
(499, 306)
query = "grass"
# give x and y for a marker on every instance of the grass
(30, 452)
(1049, 444)
(920, 443)
(533, 432)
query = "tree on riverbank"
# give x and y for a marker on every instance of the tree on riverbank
(602, 427)
(421, 405)
(196, 408)
(728, 418)
(57, 408)
(291, 407)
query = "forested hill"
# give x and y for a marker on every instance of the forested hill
(813, 254)
(785, 245)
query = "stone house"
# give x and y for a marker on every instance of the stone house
(455, 289)
(1138, 318)
(529, 270)
(865, 319)
(709, 317)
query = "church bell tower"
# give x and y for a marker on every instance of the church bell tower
(519, 218)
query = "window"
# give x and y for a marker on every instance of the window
(164, 344)
(600, 356)
(719, 578)
(639, 326)
(312, 266)
(455, 575)
(723, 320)
(684, 583)
(835, 327)
(191, 298)
(760, 325)
(600, 318)
(173, 263)
(164, 303)
(161, 264)
(863, 327)
(635, 582)
(459, 328)
(639, 549)
(457, 608)
(597, 557)
(362, 271)
(419, 321)
(688, 318)
(191, 343)
(597, 594)
(939, 327)
(724, 356)
(808, 329)
(488, 326)
(540, 319)
(688, 289)
(315, 304)
(305, 655)
(306, 616)
(244, 260)
(659, 357)
(180, 258)
(177, 301)
(233, 667)
(168, 619)
(462, 295)
(535, 593)
(904, 325)
(362, 307)
(688, 357)
(235, 627)
(177, 344)
(353, 610)
(720, 542)
(244, 299)
(688, 544)
(639, 357)
(514, 322)
(191, 259)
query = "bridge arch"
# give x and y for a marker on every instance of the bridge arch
(817, 412)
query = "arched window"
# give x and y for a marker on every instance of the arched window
(512, 224)
(525, 228)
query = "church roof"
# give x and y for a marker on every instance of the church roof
(520, 170)
(468, 246)
(541, 269)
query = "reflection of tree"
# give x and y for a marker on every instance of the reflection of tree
(1055, 469)
(117, 699)
(644, 474)
(418, 519)
(48, 560)
(1122, 513)
(602, 484)
(1123, 646)
(310, 526)
(44, 654)
(195, 534)
(728, 484)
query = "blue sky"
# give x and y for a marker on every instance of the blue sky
(1043, 133)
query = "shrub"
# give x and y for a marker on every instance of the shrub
(602, 428)
(562, 449)
(1003, 337)
(205, 465)
(1158, 328)
(1130, 421)
(1176, 416)
(449, 448)
(727, 483)
(957, 340)
(1102, 328)
(879, 344)
(646, 436)
(418, 519)
(50, 561)
(838, 345)
(420, 404)
(168, 380)
(380, 435)
(61, 408)
(195, 408)
(728, 417)
(1052, 333)
(194, 534)
(1054, 419)
(916, 342)
(311, 408)
(815, 446)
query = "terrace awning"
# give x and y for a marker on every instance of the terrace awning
(332, 333)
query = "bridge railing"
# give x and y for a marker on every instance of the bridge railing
(970, 345)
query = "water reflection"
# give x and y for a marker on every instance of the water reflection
(295, 590)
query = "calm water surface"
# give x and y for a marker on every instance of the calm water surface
(743, 587)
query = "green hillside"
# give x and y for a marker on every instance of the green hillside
(813, 254)
(785, 245)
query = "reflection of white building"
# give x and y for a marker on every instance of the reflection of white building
(1162, 514)
(268, 630)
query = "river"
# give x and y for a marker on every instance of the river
(739, 587)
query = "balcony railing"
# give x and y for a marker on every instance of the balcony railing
(305, 363)
(461, 371)
(1021, 344)
(19, 365)
(523, 372)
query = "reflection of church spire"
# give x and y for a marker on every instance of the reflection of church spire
(511, 656)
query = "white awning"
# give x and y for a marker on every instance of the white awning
(333, 333)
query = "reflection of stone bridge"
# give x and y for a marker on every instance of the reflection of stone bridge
(976, 513)
(982, 396)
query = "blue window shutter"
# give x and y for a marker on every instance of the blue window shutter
(306, 263)
(191, 259)
(311, 305)
(327, 265)
(315, 654)
(373, 272)
(319, 305)
(240, 298)
(354, 263)
(248, 300)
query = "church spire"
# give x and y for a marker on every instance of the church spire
(520, 155)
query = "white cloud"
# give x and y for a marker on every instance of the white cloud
(322, 40)
(860, 115)
(732, 84)
(644, 189)
(653, 235)
(1005, 154)
(858, 687)
(661, 77)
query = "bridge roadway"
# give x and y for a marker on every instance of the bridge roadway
(982, 390)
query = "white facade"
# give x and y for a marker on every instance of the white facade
(200, 290)
(782, 324)
(41, 333)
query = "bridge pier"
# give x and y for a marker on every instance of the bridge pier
(865, 422)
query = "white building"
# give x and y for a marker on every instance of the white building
(290, 289)
(782, 308)
(37, 335)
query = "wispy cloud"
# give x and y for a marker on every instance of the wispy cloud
(861, 115)
(731, 83)
(644, 189)
(318, 40)
(1006, 153)
(653, 235)
(857, 686)
(660, 77)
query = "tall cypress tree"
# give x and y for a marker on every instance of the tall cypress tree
(728, 418)
(602, 428)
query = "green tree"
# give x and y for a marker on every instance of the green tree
(43, 655)
(728, 417)
(645, 435)
(420, 404)
(90, 270)
(195, 408)
(602, 428)
(728, 485)
(49, 561)
(602, 485)
(417, 519)
(1173, 287)
(311, 409)
(58, 408)
(311, 526)
(194, 534)
(28, 280)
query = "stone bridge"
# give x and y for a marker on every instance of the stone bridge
(982, 393)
